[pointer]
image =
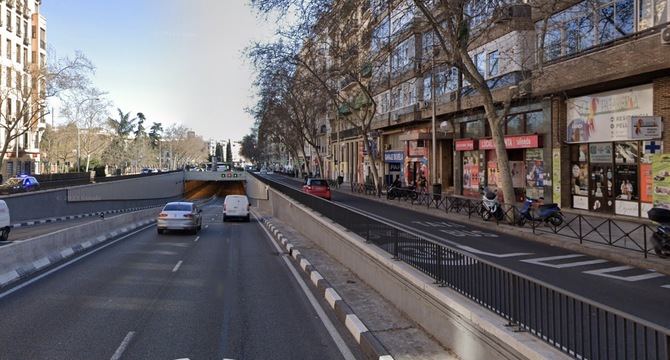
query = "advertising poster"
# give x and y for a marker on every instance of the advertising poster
(646, 183)
(612, 116)
(556, 175)
(600, 153)
(625, 186)
(492, 173)
(626, 153)
(579, 179)
(660, 170)
(471, 172)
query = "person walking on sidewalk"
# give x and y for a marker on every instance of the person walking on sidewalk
(422, 183)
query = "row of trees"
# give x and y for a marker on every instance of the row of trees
(323, 63)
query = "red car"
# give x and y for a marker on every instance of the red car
(317, 187)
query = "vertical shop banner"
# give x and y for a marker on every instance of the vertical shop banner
(471, 172)
(556, 175)
(660, 170)
(535, 175)
(613, 116)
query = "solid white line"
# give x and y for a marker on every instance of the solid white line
(196, 238)
(21, 286)
(341, 345)
(176, 267)
(124, 344)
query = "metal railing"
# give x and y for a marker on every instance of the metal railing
(577, 326)
(630, 236)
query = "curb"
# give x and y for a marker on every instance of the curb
(78, 216)
(587, 248)
(27, 270)
(371, 347)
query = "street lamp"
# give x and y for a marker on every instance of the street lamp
(78, 136)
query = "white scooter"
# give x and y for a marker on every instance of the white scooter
(490, 206)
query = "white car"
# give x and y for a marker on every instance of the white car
(4, 221)
(236, 206)
(180, 216)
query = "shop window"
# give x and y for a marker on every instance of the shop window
(515, 125)
(535, 123)
(626, 153)
(651, 13)
(472, 129)
(579, 170)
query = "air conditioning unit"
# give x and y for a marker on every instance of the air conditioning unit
(515, 11)
(665, 35)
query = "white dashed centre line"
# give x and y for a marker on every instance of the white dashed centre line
(124, 344)
(176, 267)
(196, 239)
(206, 226)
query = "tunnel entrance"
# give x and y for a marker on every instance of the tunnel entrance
(195, 190)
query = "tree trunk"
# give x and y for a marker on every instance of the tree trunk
(504, 175)
(88, 161)
(373, 163)
(319, 160)
(304, 156)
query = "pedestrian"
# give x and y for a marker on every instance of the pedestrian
(423, 182)
(340, 179)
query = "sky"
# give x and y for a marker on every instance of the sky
(177, 61)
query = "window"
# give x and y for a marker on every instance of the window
(18, 26)
(479, 11)
(402, 57)
(9, 20)
(9, 77)
(401, 16)
(403, 95)
(493, 63)
(427, 90)
(472, 129)
(9, 49)
(651, 13)
(480, 63)
(380, 35)
(535, 123)
(515, 125)
(18, 53)
(427, 45)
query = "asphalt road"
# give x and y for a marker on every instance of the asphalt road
(639, 292)
(224, 293)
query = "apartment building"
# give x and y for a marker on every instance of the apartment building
(604, 65)
(23, 52)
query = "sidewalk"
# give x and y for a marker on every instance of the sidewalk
(611, 239)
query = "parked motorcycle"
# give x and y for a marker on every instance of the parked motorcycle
(547, 213)
(661, 237)
(408, 192)
(490, 206)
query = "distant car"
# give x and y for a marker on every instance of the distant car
(317, 187)
(236, 206)
(21, 183)
(145, 171)
(264, 171)
(180, 216)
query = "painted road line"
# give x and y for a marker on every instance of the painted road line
(176, 267)
(341, 345)
(124, 345)
(196, 239)
(206, 226)
(37, 278)
(544, 261)
(607, 272)
(666, 286)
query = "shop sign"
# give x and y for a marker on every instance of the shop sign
(512, 142)
(660, 170)
(394, 156)
(600, 153)
(628, 208)
(613, 116)
(464, 145)
(395, 167)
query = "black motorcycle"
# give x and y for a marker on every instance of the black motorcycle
(408, 192)
(661, 237)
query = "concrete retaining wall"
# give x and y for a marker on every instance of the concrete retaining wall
(24, 254)
(150, 190)
(459, 324)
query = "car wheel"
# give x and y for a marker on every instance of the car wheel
(161, 231)
(4, 235)
(248, 219)
(225, 218)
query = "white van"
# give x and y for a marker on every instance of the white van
(236, 206)
(4, 221)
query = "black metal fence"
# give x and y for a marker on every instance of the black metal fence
(584, 228)
(572, 324)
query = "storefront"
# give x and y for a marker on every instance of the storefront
(393, 163)
(417, 150)
(612, 136)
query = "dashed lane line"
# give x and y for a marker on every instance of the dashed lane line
(176, 267)
(124, 345)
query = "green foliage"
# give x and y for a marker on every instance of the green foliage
(229, 153)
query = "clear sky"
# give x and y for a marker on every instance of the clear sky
(174, 60)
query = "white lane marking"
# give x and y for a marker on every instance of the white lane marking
(481, 252)
(124, 344)
(544, 261)
(206, 226)
(341, 345)
(28, 282)
(196, 239)
(666, 286)
(606, 273)
(176, 267)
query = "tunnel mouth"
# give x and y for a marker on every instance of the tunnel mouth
(197, 189)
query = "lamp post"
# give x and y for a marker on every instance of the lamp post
(433, 170)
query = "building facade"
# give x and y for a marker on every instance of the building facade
(23, 52)
(581, 130)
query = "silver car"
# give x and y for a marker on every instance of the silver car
(180, 216)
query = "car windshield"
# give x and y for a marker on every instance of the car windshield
(177, 207)
(14, 181)
(318, 183)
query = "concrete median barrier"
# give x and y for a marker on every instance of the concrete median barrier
(22, 258)
(461, 325)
